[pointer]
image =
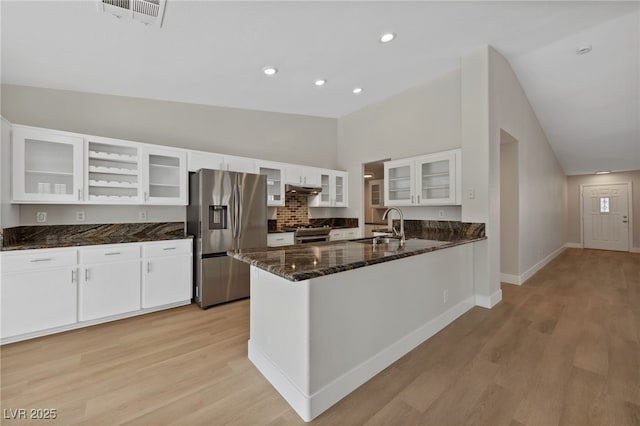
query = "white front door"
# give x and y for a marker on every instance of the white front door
(606, 217)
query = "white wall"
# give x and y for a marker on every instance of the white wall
(573, 201)
(509, 205)
(541, 180)
(421, 120)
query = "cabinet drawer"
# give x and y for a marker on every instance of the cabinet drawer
(280, 239)
(350, 234)
(167, 248)
(38, 259)
(110, 253)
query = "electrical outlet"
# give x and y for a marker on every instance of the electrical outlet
(41, 217)
(80, 215)
(445, 296)
(142, 215)
(440, 213)
(471, 193)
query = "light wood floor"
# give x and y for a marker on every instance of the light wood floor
(562, 349)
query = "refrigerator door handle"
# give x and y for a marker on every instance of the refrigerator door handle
(235, 229)
(239, 201)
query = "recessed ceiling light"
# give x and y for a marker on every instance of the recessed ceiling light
(368, 175)
(583, 50)
(320, 82)
(270, 70)
(387, 37)
(603, 172)
(357, 90)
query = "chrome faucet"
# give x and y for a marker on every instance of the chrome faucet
(396, 233)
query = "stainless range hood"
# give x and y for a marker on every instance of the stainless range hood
(302, 190)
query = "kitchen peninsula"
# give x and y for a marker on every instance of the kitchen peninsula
(327, 317)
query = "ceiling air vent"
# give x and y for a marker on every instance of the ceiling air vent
(149, 12)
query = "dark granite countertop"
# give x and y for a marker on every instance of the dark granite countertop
(306, 261)
(40, 237)
(278, 231)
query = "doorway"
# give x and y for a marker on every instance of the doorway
(373, 183)
(605, 216)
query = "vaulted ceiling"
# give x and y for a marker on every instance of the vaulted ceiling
(213, 53)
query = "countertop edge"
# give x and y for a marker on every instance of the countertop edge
(302, 276)
(66, 244)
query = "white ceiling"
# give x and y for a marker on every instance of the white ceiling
(212, 53)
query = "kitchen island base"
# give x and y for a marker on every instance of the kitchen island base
(317, 340)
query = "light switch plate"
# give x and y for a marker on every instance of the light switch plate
(471, 193)
(80, 216)
(41, 217)
(142, 215)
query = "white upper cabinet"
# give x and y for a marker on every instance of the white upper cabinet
(47, 166)
(302, 175)
(164, 176)
(113, 172)
(275, 181)
(210, 160)
(376, 194)
(204, 160)
(433, 179)
(334, 184)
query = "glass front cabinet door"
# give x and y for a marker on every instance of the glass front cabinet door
(436, 179)
(275, 182)
(47, 166)
(165, 176)
(399, 182)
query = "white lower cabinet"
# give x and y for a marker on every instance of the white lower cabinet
(166, 276)
(45, 291)
(344, 234)
(110, 281)
(39, 291)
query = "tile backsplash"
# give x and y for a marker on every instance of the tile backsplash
(295, 211)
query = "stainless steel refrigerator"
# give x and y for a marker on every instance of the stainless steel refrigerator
(227, 211)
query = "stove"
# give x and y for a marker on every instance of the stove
(306, 233)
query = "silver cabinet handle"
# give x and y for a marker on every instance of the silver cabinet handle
(80, 194)
(146, 196)
(279, 239)
(624, 221)
(418, 199)
(86, 274)
(148, 267)
(73, 275)
(113, 253)
(169, 248)
(412, 199)
(42, 260)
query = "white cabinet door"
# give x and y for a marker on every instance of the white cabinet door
(109, 281)
(167, 272)
(165, 176)
(47, 166)
(302, 175)
(239, 164)
(436, 179)
(197, 160)
(399, 183)
(376, 193)
(351, 233)
(39, 290)
(275, 181)
(340, 184)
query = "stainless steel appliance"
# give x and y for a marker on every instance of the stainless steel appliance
(227, 211)
(305, 233)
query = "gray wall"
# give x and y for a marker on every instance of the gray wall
(509, 205)
(421, 120)
(288, 138)
(573, 201)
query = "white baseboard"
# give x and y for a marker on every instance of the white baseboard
(310, 406)
(510, 279)
(489, 301)
(634, 249)
(520, 279)
(82, 324)
(574, 245)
